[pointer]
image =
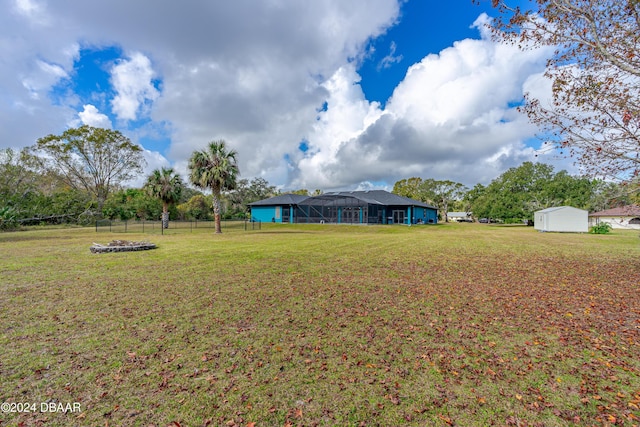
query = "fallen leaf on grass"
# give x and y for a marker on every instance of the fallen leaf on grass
(447, 420)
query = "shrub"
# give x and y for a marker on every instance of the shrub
(8, 219)
(602, 228)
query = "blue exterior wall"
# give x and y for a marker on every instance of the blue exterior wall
(267, 213)
(428, 216)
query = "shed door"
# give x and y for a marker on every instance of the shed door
(541, 221)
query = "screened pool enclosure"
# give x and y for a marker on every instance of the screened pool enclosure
(352, 207)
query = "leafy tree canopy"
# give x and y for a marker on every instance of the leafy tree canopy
(519, 192)
(248, 192)
(594, 112)
(92, 159)
(441, 193)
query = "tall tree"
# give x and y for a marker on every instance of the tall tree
(93, 159)
(17, 176)
(196, 208)
(443, 194)
(519, 192)
(411, 188)
(470, 198)
(131, 203)
(214, 168)
(165, 185)
(248, 192)
(301, 192)
(594, 111)
(34, 194)
(440, 193)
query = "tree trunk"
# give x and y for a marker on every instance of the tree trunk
(216, 212)
(446, 211)
(165, 216)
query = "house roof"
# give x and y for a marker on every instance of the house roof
(631, 210)
(283, 199)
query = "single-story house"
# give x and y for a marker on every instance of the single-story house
(276, 209)
(625, 217)
(562, 219)
(344, 207)
(460, 216)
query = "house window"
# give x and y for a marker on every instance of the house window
(278, 211)
(634, 221)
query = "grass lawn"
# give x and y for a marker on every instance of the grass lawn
(448, 325)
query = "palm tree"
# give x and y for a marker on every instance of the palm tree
(166, 185)
(217, 169)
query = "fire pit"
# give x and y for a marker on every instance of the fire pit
(121, 246)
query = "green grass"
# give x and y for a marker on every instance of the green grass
(464, 325)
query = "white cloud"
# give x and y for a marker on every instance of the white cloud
(153, 160)
(132, 80)
(258, 80)
(450, 118)
(43, 76)
(391, 58)
(33, 10)
(92, 117)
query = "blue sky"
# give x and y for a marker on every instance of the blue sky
(424, 27)
(329, 95)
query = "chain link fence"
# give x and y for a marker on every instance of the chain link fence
(155, 227)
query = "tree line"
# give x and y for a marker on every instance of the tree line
(593, 115)
(78, 177)
(515, 195)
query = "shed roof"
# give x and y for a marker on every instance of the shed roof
(557, 208)
(630, 210)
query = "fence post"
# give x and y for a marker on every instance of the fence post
(96, 225)
(125, 225)
(110, 226)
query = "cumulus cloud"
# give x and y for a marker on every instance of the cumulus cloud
(92, 117)
(265, 81)
(132, 80)
(450, 118)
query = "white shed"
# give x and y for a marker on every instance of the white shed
(562, 219)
